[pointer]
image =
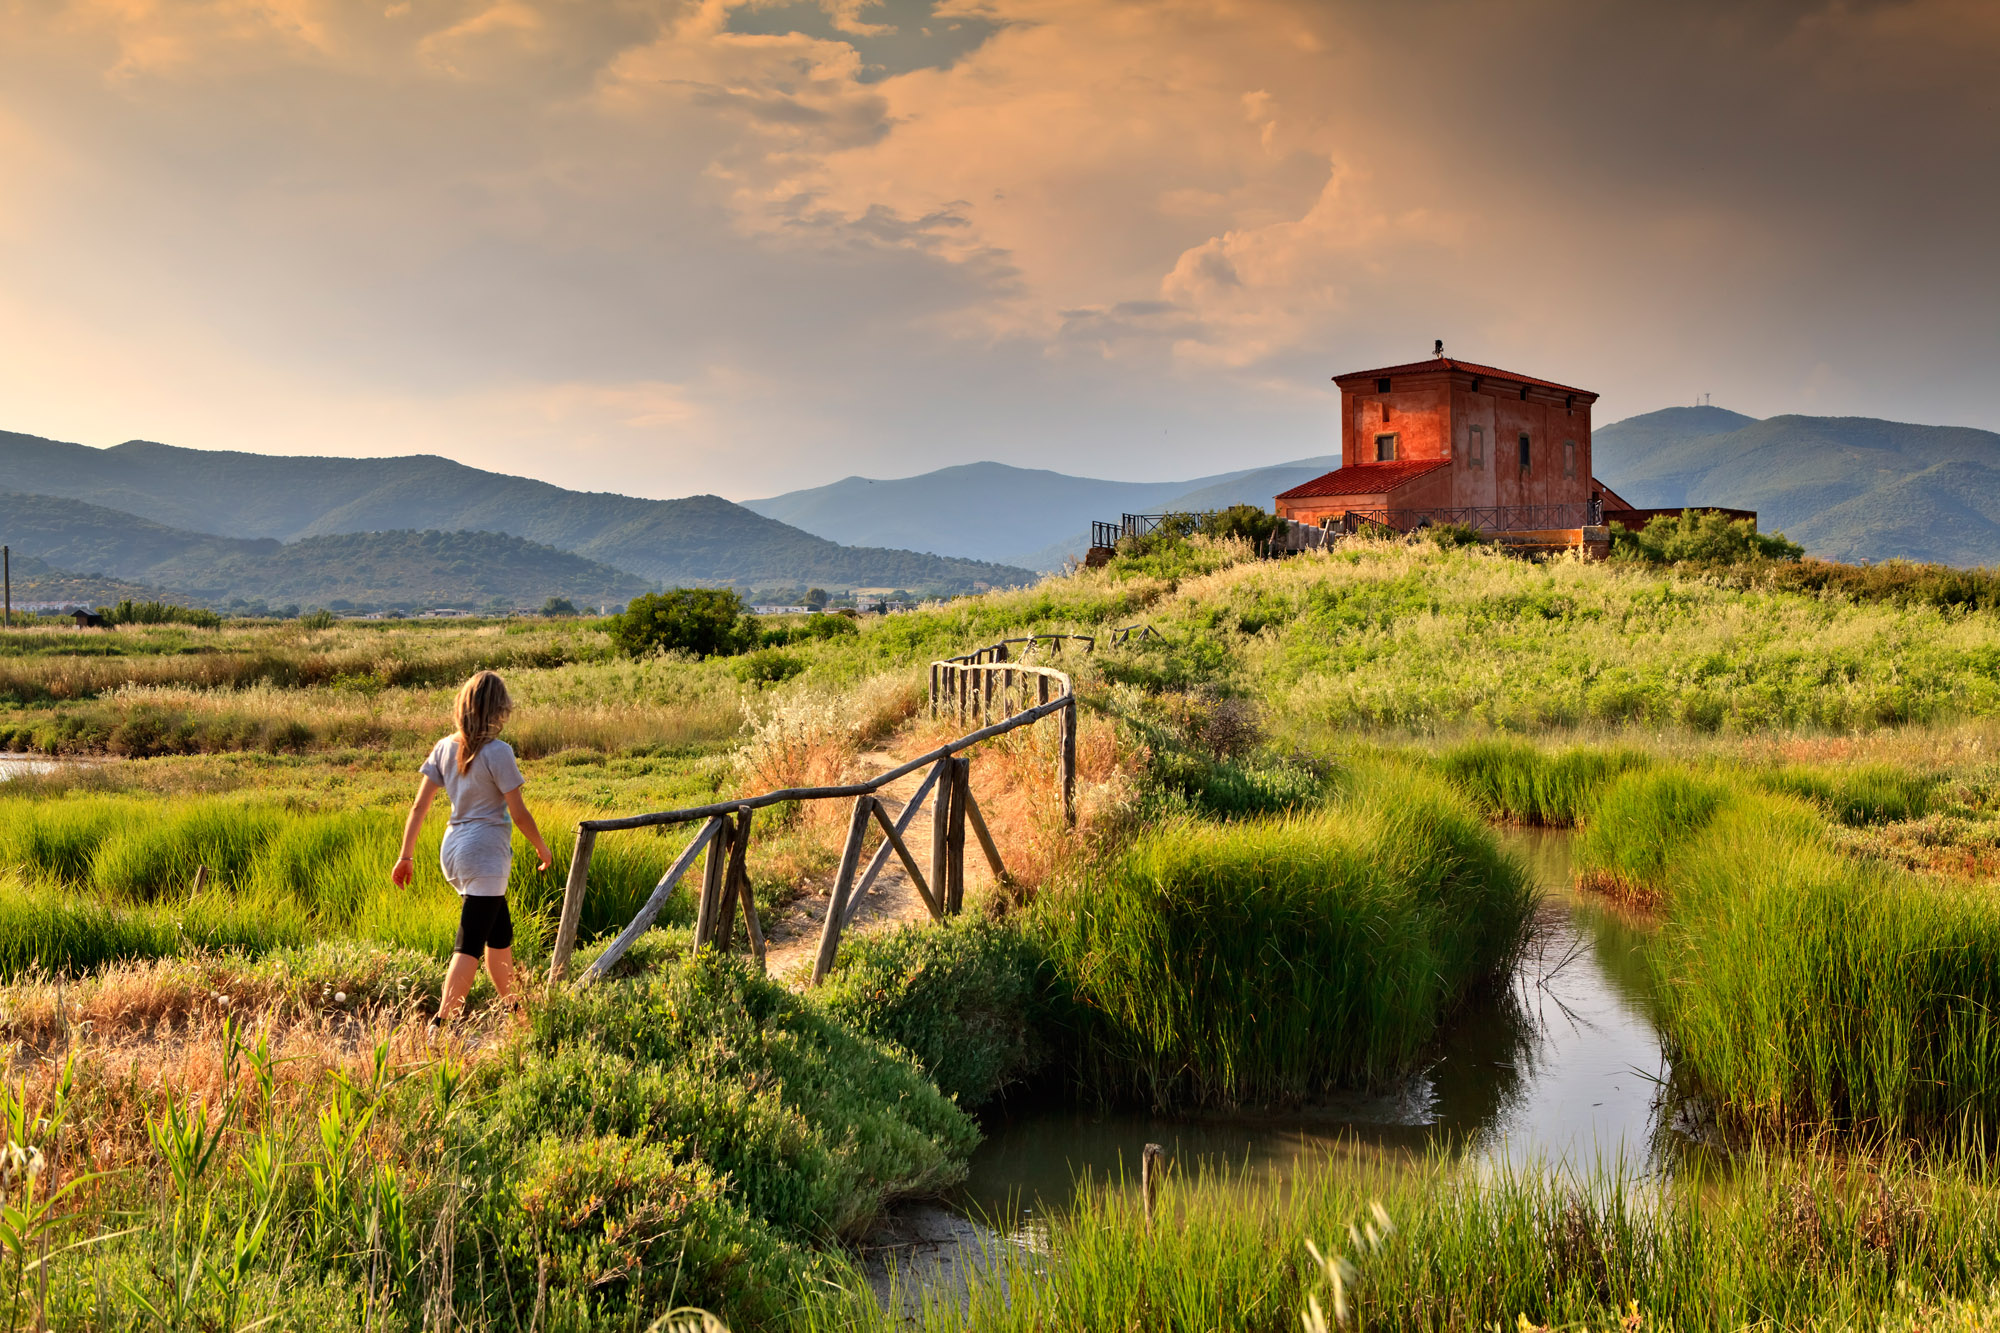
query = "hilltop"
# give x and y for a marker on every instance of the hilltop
(121, 555)
(702, 539)
(1847, 488)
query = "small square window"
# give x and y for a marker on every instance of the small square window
(1382, 385)
(1476, 446)
(1524, 453)
(1569, 458)
(1385, 448)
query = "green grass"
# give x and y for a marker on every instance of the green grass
(1512, 779)
(1263, 961)
(1790, 1243)
(1806, 987)
(1634, 826)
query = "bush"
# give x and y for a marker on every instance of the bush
(559, 606)
(962, 997)
(129, 612)
(320, 618)
(707, 622)
(768, 666)
(1244, 522)
(1695, 537)
(1269, 961)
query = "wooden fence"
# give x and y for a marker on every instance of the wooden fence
(971, 687)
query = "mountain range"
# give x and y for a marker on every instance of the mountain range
(702, 539)
(1846, 488)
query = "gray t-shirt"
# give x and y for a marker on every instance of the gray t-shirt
(478, 842)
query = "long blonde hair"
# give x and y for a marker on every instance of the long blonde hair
(479, 711)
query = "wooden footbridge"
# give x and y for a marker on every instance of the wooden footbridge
(971, 688)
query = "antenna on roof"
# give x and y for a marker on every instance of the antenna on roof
(1437, 347)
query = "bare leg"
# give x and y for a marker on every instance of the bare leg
(500, 966)
(457, 981)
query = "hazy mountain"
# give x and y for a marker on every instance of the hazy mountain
(1021, 516)
(388, 570)
(701, 539)
(1849, 488)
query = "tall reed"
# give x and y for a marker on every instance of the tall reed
(1264, 961)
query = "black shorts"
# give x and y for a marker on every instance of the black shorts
(483, 923)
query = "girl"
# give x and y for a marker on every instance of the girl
(477, 772)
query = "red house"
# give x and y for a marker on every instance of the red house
(1447, 441)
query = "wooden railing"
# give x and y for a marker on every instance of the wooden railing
(971, 686)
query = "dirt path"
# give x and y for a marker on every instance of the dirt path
(793, 943)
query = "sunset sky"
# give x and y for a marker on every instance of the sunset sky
(744, 247)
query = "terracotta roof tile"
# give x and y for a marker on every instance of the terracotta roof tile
(1437, 363)
(1365, 479)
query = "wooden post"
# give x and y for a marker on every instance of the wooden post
(7, 564)
(836, 902)
(200, 877)
(736, 884)
(572, 908)
(941, 832)
(961, 782)
(1042, 691)
(1069, 761)
(727, 893)
(882, 853)
(1152, 1163)
(891, 839)
(934, 689)
(708, 907)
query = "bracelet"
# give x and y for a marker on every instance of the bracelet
(401, 859)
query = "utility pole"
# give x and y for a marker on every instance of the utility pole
(7, 573)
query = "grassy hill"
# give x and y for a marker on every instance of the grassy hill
(1848, 488)
(1022, 516)
(702, 539)
(124, 555)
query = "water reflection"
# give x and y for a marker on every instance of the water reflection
(1562, 1067)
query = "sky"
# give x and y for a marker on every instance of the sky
(742, 247)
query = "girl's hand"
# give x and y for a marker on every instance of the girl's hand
(400, 876)
(542, 855)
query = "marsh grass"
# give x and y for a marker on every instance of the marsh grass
(1512, 779)
(1791, 1242)
(1264, 961)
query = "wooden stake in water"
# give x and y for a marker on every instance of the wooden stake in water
(1152, 1162)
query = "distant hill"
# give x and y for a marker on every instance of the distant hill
(701, 540)
(36, 580)
(370, 570)
(1021, 516)
(1848, 488)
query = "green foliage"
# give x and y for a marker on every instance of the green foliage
(816, 1125)
(1266, 961)
(1519, 781)
(962, 997)
(1449, 535)
(706, 622)
(558, 606)
(129, 612)
(769, 666)
(815, 628)
(1812, 988)
(623, 1229)
(1893, 582)
(1697, 537)
(1638, 823)
(1858, 794)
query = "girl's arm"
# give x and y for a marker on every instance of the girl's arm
(427, 791)
(526, 823)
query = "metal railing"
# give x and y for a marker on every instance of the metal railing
(1138, 525)
(971, 685)
(1486, 518)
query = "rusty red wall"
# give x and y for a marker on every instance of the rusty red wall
(1418, 415)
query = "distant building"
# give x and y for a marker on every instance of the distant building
(88, 619)
(1447, 441)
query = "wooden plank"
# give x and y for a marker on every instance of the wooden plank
(891, 838)
(843, 881)
(654, 904)
(979, 829)
(572, 908)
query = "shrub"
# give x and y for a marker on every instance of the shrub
(962, 997)
(319, 618)
(558, 606)
(129, 612)
(1266, 961)
(1695, 537)
(621, 1230)
(768, 666)
(707, 622)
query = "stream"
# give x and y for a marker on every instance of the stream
(1564, 1071)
